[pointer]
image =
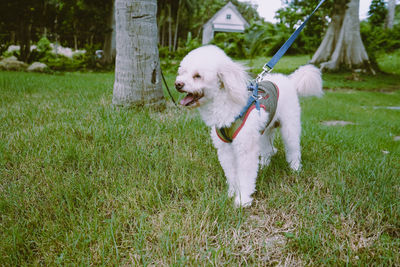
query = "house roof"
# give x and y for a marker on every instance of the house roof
(225, 8)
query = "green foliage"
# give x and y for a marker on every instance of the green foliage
(390, 62)
(62, 63)
(169, 59)
(377, 13)
(79, 62)
(259, 39)
(89, 58)
(379, 39)
(190, 44)
(10, 54)
(291, 16)
(42, 51)
(82, 21)
(376, 38)
(43, 45)
(3, 46)
(232, 43)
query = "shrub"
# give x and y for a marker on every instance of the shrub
(41, 50)
(190, 44)
(232, 43)
(12, 53)
(170, 59)
(61, 63)
(378, 40)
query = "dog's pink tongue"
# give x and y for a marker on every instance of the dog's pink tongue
(185, 101)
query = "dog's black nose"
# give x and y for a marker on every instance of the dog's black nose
(179, 86)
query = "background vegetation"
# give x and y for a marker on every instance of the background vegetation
(84, 24)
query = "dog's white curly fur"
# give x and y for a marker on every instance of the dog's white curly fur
(220, 89)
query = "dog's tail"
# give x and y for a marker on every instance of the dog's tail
(308, 81)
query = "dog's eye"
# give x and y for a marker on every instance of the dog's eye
(196, 76)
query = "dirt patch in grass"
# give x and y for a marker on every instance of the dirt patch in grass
(337, 123)
(266, 233)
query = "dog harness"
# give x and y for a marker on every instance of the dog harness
(265, 94)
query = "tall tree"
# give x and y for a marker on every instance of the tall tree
(342, 45)
(137, 67)
(109, 46)
(390, 14)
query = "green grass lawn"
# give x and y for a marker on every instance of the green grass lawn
(83, 183)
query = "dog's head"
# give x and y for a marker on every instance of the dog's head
(206, 73)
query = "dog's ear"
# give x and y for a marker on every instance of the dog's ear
(233, 78)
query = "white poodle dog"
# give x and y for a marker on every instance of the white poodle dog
(217, 87)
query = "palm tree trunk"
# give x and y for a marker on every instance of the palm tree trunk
(137, 67)
(342, 44)
(390, 14)
(169, 28)
(177, 27)
(25, 40)
(109, 40)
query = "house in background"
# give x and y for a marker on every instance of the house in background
(227, 19)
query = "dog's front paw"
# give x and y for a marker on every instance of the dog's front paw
(243, 201)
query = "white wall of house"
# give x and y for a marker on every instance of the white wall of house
(227, 19)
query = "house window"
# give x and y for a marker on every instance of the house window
(228, 16)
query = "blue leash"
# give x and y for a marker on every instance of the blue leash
(278, 55)
(253, 98)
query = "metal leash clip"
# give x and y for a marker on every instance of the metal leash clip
(266, 70)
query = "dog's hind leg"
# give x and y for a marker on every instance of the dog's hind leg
(267, 149)
(291, 131)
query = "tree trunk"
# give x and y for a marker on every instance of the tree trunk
(56, 43)
(163, 35)
(109, 48)
(91, 40)
(56, 32)
(75, 42)
(75, 35)
(25, 40)
(342, 45)
(169, 29)
(137, 66)
(390, 14)
(177, 27)
(161, 23)
(44, 32)
(44, 28)
(12, 37)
